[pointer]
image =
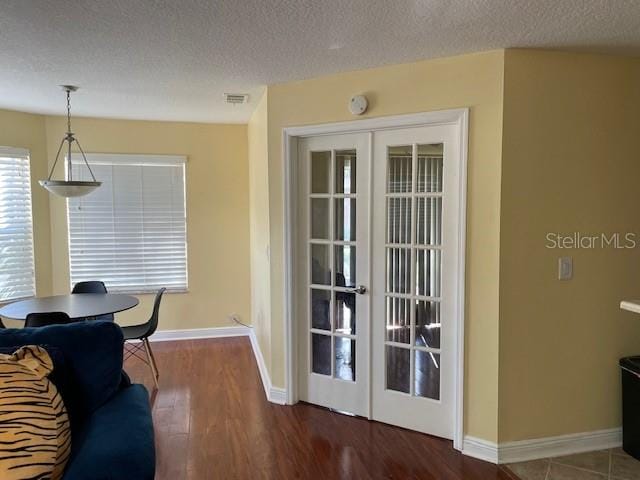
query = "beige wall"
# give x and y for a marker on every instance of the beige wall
(23, 130)
(473, 81)
(570, 164)
(259, 228)
(553, 148)
(217, 213)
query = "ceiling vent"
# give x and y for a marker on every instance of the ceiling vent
(236, 98)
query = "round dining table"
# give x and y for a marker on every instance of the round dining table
(76, 305)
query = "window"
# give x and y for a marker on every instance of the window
(131, 231)
(17, 272)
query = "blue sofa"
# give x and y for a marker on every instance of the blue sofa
(112, 428)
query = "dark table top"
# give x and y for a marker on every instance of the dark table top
(77, 305)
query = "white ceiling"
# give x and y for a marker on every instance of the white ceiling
(173, 60)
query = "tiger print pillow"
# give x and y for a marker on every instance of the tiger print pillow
(35, 436)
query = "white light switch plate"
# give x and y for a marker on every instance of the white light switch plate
(565, 268)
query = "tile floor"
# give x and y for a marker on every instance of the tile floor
(611, 464)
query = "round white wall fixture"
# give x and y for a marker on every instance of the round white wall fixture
(358, 104)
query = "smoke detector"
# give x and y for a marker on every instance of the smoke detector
(236, 98)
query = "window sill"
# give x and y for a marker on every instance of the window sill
(150, 291)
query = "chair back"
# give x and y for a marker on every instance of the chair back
(93, 286)
(47, 318)
(153, 321)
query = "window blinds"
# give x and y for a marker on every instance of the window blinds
(17, 272)
(131, 231)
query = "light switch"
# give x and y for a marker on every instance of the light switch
(565, 268)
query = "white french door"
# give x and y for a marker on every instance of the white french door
(333, 240)
(415, 241)
(377, 277)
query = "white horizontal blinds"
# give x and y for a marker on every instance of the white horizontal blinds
(131, 231)
(17, 271)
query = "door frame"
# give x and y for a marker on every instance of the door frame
(290, 135)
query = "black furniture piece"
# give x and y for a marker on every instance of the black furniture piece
(43, 319)
(142, 333)
(630, 370)
(93, 286)
(78, 307)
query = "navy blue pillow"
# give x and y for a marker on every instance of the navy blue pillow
(60, 376)
(92, 360)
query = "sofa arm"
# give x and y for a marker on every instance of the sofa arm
(116, 442)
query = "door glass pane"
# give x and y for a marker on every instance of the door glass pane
(428, 324)
(320, 265)
(398, 368)
(345, 363)
(345, 259)
(320, 218)
(321, 309)
(427, 374)
(429, 218)
(398, 270)
(321, 353)
(346, 171)
(398, 324)
(428, 272)
(320, 172)
(345, 313)
(399, 220)
(399, 174)
(345, 219)
(430, 167)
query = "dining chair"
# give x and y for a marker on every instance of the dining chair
(93, 286)
(141, 333)
(46, 318)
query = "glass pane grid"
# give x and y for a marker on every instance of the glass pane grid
(332, 253)
(414, 194)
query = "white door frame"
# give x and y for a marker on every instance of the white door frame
(458, 117)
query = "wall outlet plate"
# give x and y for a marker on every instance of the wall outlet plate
(565, 268)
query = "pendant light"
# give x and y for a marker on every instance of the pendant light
(70, 187)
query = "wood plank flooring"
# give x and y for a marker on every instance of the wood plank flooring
(212, 421)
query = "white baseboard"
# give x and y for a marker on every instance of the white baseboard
(524, 450)
(557, 446)
(480, 449)
(274, 394)
(197, 333)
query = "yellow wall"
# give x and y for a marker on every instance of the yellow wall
(259, 228)
(553, 148)
(473, 81)
(570, 164)
(24, 130)
(217, 213)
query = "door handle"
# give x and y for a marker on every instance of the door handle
(360, 290)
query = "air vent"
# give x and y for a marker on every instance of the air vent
(236, 98)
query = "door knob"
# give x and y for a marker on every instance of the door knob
(360, 290)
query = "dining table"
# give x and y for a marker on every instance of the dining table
(77, 306)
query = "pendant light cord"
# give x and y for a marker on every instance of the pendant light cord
(68, 111)
(70, 139)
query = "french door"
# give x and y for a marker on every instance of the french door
(377, 277)
(332, 300)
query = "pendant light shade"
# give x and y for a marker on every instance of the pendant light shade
(70, 187)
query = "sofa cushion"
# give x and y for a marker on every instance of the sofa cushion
(116, 441)
(35, 438)
(92, 356)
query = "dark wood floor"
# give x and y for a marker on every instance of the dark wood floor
(213, 421)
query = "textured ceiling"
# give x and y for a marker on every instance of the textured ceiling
(173, 60)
